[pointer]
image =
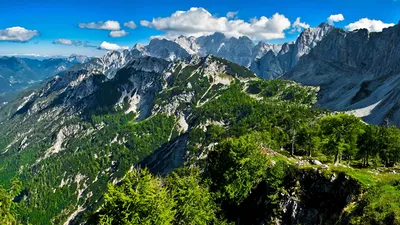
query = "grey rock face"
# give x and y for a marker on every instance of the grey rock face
(357, 71)
(262, 48)
(268, 67)
(239, 50)
(74, 58)
(108, 64)
(308, 39)
(165, 49)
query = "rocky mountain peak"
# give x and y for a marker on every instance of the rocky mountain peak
(308, 39)
(148, 64)
(357, 71)
(324, 25)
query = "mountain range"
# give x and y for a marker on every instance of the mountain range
(164, 105)
(336, 60)
(17, 74)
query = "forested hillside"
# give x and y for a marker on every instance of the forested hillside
(191, 142)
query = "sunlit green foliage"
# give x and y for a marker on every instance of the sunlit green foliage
(8, 215)
(340, 133)
(140, 199)
(194, 202)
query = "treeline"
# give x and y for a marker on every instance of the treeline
(293, 123)
(346, 137)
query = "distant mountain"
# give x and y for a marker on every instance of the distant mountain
(239, 50)
(74, 58)
(356, 71)
(17, 74)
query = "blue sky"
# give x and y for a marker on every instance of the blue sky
(45, 21)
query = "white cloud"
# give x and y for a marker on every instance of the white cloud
(118, 33)
(145, 23)
(198, 22)
(108, 25)
(130, 25)
(370, 25)
(231, 15)
(298, 25)
(111, 47)
(17, 34)
(63, 41)
(335, 18)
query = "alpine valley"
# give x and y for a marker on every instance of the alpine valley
(207, 130)
(19, 73)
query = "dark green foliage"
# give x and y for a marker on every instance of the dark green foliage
(340, 133)
(235, 166)
(283, 90)
(91, 156)
(390, 152)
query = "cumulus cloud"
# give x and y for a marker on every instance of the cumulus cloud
(118, 33)
(370, 25)
(231, 15)
(297, 25)
(63, 41)
(198, 22)
(108, 25)
(19, 34)
(130, 25)
(111, 46)
(335, 18)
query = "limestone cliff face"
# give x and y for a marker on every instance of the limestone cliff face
(357, 71)
(268, 67)
(271, 66)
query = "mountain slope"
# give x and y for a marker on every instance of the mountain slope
(81, 130)
(357, 71)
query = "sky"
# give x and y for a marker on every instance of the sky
(87, 27)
